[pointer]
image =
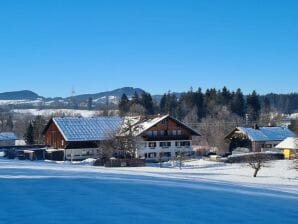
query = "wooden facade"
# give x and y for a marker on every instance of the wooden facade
(168, 129)
(53, 136)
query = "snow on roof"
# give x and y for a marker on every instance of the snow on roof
(7, 136)
(88, 129)
(267, 133)
(139, 124)
(288, 143)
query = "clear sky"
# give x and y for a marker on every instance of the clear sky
(52, 46)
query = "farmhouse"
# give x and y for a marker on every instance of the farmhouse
(77, 138)
(258, 139)
(161, 137)
(157, 138)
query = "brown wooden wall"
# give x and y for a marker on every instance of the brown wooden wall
(53, 137)
(169, 125)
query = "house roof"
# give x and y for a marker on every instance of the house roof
(140, 124)
(288, 143)
(102, 128)
(265, 133)
(7, 136)
(88, 129)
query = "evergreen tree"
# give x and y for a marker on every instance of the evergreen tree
(267, 105)
(29, 135)
(226, 96)
(123, 105)
(162, 104)
(147, 103)
(168, 104)
(135, 98)
(199, 100)
(253, 106)
(238, 103)
(39, 124)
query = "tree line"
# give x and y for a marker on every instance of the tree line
(196, 105)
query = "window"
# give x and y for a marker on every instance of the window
(174, 132)
(165, 144)
(179, 132)
(164, 122)
(154, 133)
(183, 143)
(162, 132)
(165, 154)
(152, 144)
(268, 146)
(152, 155)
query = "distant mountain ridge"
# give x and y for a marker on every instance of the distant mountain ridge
(19, 95)
(26, 99)
(129, 91)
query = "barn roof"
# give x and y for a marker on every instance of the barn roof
(264, 133)
(88, 129)
(102, 128)
(7, 136)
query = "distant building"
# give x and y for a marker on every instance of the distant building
(7, 138)
(78, 137)
(289, 147)
(257, 139)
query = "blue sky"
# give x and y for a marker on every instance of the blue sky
(53, 46)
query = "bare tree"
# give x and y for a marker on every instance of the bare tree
(257, 161)
(214, 128)
(296, 164)
(124, 142)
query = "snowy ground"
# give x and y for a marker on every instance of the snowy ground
(202, 192)
(49, 112)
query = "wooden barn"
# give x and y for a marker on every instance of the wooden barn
(257, 139)
(79, 137)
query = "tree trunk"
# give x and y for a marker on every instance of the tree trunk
(257, 169)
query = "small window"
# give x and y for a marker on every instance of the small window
(152, 144)
(165, 154)
(174, 132)
(165, 144)
(162, 132)
(152, 155)
(179, 132)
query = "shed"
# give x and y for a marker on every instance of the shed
(289, 147)
(258, 139)
(7, 138)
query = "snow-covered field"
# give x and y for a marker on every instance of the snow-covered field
(202, 192)
(49, 112)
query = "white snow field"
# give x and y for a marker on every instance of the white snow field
(202, 192)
